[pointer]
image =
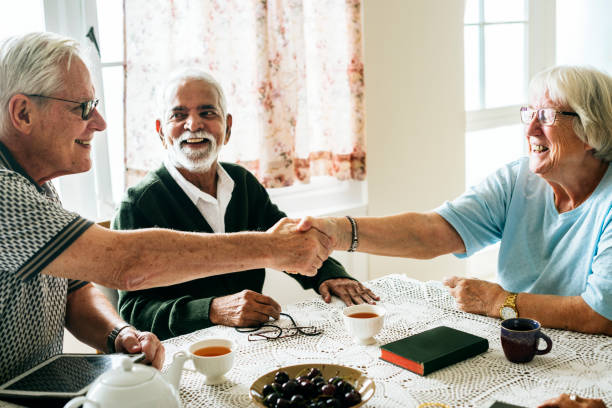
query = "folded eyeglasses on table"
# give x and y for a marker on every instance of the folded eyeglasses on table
(269, 331)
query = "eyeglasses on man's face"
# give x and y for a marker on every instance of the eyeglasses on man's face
(546, 116)
(87, 107)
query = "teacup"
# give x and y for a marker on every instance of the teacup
(520, 338)
(211, 357)
(363, 322)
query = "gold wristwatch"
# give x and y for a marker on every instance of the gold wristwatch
(508, 309)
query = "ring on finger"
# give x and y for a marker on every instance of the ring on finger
(572, 397)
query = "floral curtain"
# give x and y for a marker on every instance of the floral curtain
(292, 71)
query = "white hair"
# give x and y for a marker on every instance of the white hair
(588, 92)
(33, 63)
(170, 86)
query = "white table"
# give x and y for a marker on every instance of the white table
(578, 363)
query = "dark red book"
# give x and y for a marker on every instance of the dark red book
(433, 349)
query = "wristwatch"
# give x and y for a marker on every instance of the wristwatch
(508, 309)
(112, 336)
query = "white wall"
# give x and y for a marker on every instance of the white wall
(584, 33)
(415, 118)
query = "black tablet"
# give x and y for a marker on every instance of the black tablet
(62, 376)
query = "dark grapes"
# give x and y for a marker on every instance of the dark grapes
(309, 391)
(334, 380)
(351, 398)
(283, 403)
(290, 388)
(332, 403)
(328, 389)
(267, 389)
(319, 381)
(297, 401)
(270, 400)
(314, 372)
(281, 377)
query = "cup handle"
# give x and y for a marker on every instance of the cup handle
(79, 401)
(548, 344)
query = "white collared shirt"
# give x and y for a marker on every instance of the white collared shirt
(212, 209)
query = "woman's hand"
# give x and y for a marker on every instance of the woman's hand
(476, 296)
(572, 401)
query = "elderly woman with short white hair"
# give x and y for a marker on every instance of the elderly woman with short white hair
(550, 211)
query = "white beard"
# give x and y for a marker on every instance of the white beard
(195, 161)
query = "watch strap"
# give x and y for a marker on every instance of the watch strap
(112, 336)
(354, 234)
(510, 302)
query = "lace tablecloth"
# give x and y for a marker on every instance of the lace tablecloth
(578, 363)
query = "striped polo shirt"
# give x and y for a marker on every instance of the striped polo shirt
(34, 230)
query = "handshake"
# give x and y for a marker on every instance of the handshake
(302, 245)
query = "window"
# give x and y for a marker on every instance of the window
(94, 194)
(500, 57)
(505, 44)
(110, 21)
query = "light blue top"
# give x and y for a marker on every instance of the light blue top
(541, 251)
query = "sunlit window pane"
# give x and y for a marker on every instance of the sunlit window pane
(113, 98)
(472, 68)
(504, 10)
(20, 17)
(471, 12)
(110, 25)
(489, 149)
(505, 65)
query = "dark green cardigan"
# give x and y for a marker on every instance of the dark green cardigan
(157, 201)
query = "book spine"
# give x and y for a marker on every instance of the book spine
(455, 357)
(408, 364)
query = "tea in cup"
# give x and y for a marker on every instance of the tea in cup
(211, 357)
(520, 338)
(363, 322)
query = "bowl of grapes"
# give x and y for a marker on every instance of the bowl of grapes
(312, 386)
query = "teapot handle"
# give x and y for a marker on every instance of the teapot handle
(173, 375)
(78, 401)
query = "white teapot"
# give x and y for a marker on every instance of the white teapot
(134, 386)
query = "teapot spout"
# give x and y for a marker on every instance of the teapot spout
(173, 375)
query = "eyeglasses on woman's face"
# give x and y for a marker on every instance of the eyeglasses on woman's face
(87, 107)
(546, 116)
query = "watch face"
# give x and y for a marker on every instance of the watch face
(507, 313)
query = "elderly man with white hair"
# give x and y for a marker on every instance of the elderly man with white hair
(48, 254)
(193, 191)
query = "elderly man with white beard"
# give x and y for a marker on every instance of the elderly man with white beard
(192, 191)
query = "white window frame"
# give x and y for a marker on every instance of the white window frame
(541, 46)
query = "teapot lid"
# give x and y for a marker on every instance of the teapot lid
(126, 375)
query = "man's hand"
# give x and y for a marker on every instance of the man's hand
(566, 401)
(351, 292)
(476, 296)
(243, 309)
(337, 229)
(133, 341)
(299, 252)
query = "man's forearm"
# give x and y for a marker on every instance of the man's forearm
(140, 259)
(90, 317)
